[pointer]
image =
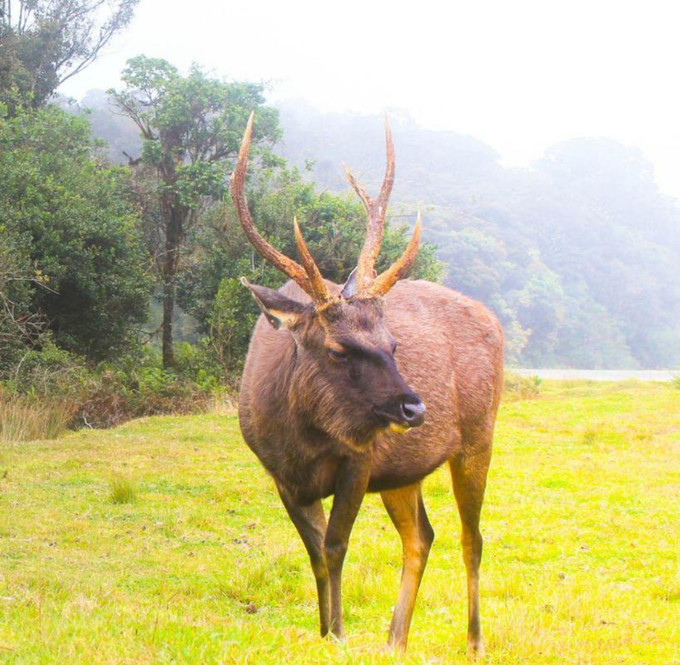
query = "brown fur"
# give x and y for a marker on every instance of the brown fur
(309, 420)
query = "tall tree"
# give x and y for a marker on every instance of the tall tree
(45, 42)
(191, 128)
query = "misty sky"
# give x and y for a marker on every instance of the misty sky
(518, 75)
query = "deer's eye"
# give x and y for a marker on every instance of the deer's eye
(337, 356)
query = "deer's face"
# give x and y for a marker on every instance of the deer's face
(356, 354)
(345, 378)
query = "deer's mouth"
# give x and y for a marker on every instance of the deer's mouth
(403, 414)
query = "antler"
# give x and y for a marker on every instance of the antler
(308, 278)
(375, 211)
(367, 284)
(387, 279)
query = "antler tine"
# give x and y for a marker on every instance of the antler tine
(321, 292)
(269, 253)
(376, 211)
(388, 180)
(361, 192)
(387, 279)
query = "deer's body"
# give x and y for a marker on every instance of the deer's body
(369, 387)
(450, 353)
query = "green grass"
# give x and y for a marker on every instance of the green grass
(581, 562)
(123, 490)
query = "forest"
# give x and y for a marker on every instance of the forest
(120, 253)
(577, 255)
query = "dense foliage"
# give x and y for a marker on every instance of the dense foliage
(45, 42)
(72, 252)
(191, 128)
(333, 226)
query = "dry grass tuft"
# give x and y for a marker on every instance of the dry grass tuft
(521, 387)
(26, 418)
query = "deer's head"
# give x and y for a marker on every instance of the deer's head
(345, 376)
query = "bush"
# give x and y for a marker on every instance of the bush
(52, 390)
(73, 230)
(46, 372)
(116, 397)
(521, 387)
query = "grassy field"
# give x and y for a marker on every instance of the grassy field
(163, 542)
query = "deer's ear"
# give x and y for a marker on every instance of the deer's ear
(279, 310)
(349, 290)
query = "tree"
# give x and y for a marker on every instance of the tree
(191, 128)
(45, 42)
(72, 252)
(20, 328)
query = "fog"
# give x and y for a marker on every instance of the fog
(519, 76)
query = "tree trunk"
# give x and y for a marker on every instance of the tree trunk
(173, 239)
(168, 312)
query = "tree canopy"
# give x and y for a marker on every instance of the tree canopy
(45, 42)
(334, 227)
(76, 260)
(577, 254)
(191, 127)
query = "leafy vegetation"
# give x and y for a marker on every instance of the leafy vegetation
(45, 42)
(75, 257)
(52, 390)
(191, 127)
(580, 561)
(333, 226)
(576, 255)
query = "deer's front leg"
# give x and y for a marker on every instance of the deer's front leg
(350, 487)
(310, 522)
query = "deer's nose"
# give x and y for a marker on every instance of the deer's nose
(413, 411)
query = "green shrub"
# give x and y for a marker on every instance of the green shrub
(48, 371)
(51, 390)
(115, 397)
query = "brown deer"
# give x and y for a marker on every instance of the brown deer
(333, 399)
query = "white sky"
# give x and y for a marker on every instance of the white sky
(518, 74)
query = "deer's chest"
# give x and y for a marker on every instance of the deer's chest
(307, 472)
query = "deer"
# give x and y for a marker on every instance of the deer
(369, 387)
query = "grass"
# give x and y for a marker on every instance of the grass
(26, 418)
(123, 490)
(581, 563)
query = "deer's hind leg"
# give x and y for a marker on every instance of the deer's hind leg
(407, 512)
(468, 472)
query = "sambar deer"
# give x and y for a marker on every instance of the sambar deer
(334, 395)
